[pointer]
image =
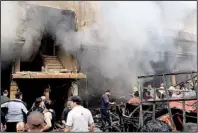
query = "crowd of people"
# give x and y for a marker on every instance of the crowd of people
(173, 92)
(15, 117)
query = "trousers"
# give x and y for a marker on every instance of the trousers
(105, 116)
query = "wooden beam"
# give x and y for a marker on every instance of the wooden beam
(47, 75)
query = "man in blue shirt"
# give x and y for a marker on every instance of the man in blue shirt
(104, 108)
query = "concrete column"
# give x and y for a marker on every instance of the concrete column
(47, 93)
(174, 79)
(13, 90)
(75, 88)
(17, 65)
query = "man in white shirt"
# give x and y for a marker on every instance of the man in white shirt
(79, 119)
(162, 91)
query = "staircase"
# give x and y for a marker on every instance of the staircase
(51, 63)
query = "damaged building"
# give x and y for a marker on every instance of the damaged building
(53, 71)
(49, 70)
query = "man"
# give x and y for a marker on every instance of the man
(79, 119)
(171, 90)
(49, 116)
(104, 108)
(147, 92)
(177, 93)
(162, 91)
(43, 99)
(17, 112)
(65, 112)
(20, 127)
(152, 91)
(35, 121)
(135, 90)
(38, 106)
(4, 97)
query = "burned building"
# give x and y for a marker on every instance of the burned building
(48, 69)
(51, 66)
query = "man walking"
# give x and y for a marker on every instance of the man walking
(104, 108)
(79, 119)
(16, 112)
(4, 97)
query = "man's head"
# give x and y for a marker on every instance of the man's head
(19, 95)
(35, 121)
(5, 92)
(149, 86)
(136, 94)
(38, 102)
(75, 100)
(108, 92)
(162, 84)
(48, 104)
(43, 98)
(69, 104)
(20, 127)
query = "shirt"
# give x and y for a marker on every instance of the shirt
(79, 119)
(64, 114)
(104, 102)
(4, 99)
(16, 109)
(49, 117)
(162, 91)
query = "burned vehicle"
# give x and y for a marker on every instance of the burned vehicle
(157, 115)
(167, 114)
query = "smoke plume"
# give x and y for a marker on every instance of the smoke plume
(129, 36)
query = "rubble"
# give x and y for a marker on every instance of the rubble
(155, 126)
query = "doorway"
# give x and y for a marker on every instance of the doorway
(34, 88)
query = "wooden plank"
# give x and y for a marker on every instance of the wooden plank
(50, 64)
(51, 59)
(54, 67)
(47, 75)
(47, 56)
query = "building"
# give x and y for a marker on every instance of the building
(50, 70)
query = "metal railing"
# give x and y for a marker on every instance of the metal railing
(167, 99)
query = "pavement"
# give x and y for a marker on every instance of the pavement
(97, 130)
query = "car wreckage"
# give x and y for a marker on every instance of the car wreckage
(156, 115)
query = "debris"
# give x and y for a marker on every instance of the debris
(155, 126)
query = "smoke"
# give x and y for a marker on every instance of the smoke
(134, 33)
(43, 21)
(10, 22)
(23, 20)
(129, 36)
